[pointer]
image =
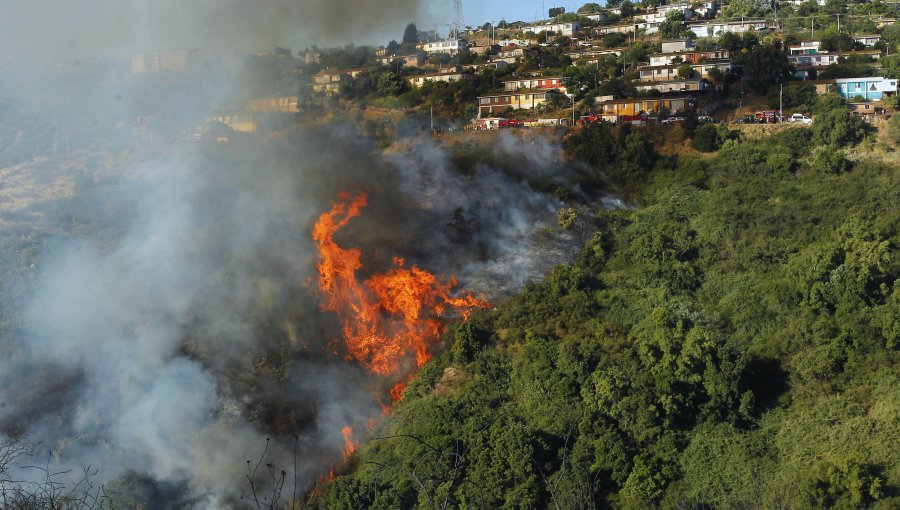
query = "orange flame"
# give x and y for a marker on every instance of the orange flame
(390, 317)
(349, 447)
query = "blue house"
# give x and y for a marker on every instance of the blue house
(868, 88)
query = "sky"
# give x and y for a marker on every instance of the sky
(478, 12)
(60, 31)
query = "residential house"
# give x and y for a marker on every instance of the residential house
(668, 86)
(674, 45)
(308, 57)
(510, 55)
(825, 59)
(716, 27)
(516, 101)
(487, 49)
(865, 108)
(655, 73)
(284, 104)
(690, 57)
(540, 83)
(869, 88)
(592, 55)
(451, 46)
(329, 82)
(514, 42)
(805, 47)
(621, 28)
(867, 40)
(597, 16)
(654, 18)
(822, 86)
(637, 106)
(566, 28)
(446, 77)
(240, 123)
(174, 61)
(412, 60)
(706, 9)
(498, 64)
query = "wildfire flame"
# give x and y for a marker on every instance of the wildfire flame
(349, 447)
(390, 317)
(387, 319)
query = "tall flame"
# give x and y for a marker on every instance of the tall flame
(349, 446)
(390, 317)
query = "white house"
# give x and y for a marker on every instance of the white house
(452, 46)
(867, 40)
(706, 9)
(667, 86)
(654, 18)
(621, 28)
(540, 82)
(672, 45)
(567, 29)
(659, 73)
(510, 55)
(708, 28)
(420, 79)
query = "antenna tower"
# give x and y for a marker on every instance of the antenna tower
(456, 28)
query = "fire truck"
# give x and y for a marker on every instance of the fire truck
(616, 119)
(489, 123)
(768, 117)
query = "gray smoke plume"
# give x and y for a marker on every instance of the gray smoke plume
(175, 348)
(51, 31)
(159, 314)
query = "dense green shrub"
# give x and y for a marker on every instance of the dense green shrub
(830, 160)
(729, 343)
(892, 130)
(839, 128)
(706, 138)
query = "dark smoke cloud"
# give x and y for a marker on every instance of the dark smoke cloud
(59, 30)
(178, 350)
(173, 325)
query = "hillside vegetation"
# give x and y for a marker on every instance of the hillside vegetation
(730, 342)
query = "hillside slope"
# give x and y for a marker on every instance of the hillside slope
(731, 343)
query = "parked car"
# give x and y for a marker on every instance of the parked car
(706, 119)
(747, 119)
(799, 117)
(673, 120)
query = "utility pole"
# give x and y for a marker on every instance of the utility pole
(573, 109)
(431, 111)
(780, 102)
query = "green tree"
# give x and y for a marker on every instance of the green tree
(673, 26)
(838, 128)
(892, 131)
(410, 35)
(556, 11)
(830, 160)
(765, 67)
(828, 102)
(706, 138)
(614, 40)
